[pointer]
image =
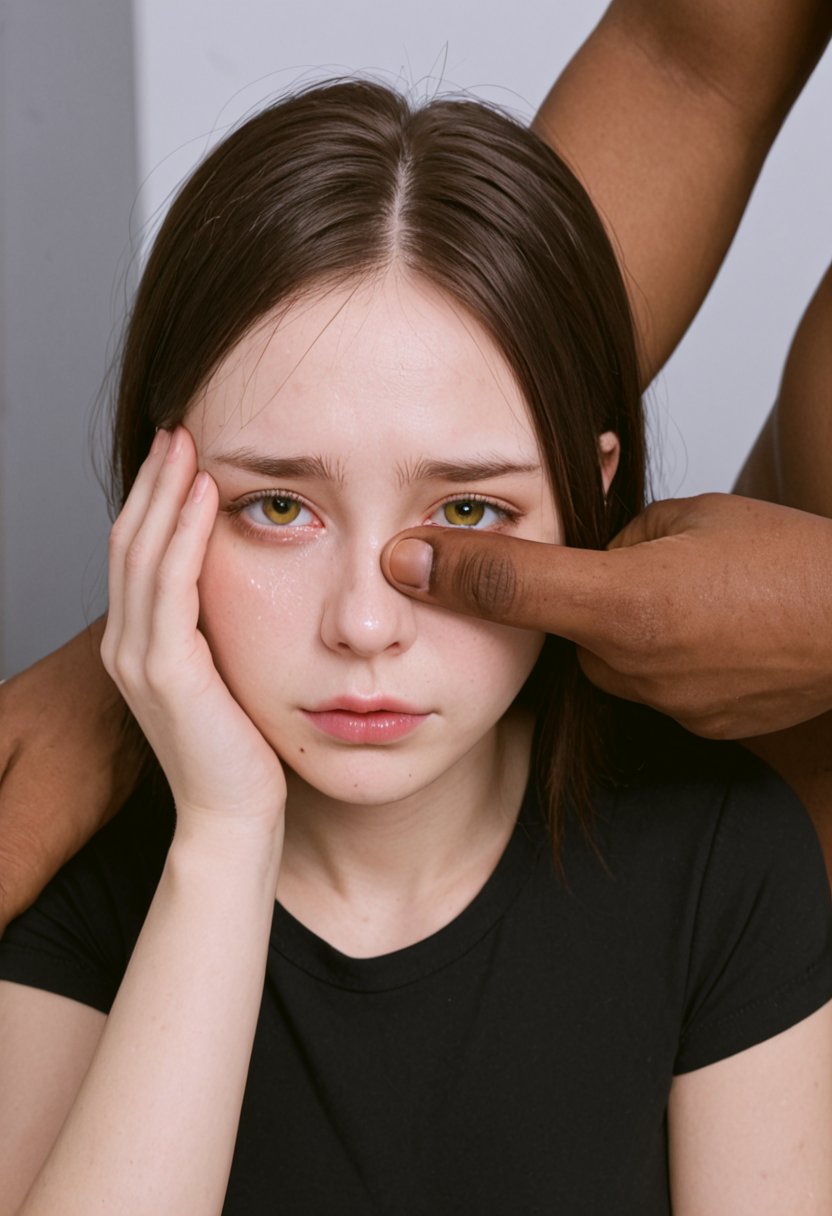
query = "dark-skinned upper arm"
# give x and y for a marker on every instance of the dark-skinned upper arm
(667, 113)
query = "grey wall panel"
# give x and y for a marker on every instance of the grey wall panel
(69, 181)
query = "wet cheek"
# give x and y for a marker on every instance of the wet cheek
(251, 603)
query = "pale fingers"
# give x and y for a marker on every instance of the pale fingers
(150, 541)
(175, 611)
(138, 544)
(218, 765)
(123, 530)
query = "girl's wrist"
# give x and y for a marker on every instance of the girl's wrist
(214, 842)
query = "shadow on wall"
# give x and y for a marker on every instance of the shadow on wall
(69, 182)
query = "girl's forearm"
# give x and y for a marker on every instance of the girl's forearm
(155, 1122)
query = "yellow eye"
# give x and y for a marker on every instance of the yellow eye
(465, 511)
(280, 510)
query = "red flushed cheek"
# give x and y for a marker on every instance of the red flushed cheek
(252, 604)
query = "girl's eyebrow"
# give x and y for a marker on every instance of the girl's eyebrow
(479, 468)
(276, 468)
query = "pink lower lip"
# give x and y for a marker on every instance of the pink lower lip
(381, 726)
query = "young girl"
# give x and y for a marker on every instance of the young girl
(529, 953)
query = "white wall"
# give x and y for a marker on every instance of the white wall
(199, 66)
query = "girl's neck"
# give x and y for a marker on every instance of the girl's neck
(372, 879)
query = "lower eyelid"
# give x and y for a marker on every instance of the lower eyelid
(275, 533)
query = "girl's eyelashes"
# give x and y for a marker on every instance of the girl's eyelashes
(274, 510)
(472, 511)
(281, 511)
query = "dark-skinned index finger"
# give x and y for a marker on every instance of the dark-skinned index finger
(577, 593)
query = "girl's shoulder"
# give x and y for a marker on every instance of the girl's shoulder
(677, 782)
(707, 815)
(715, 865)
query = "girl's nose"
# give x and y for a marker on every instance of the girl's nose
(362, 613)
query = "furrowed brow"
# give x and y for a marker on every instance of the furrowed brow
(278, 467)
(461, 471)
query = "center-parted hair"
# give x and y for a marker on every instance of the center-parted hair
(339, 182)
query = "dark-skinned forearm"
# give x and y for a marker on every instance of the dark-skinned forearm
(67, 761)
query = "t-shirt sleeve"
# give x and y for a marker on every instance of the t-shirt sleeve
(77, 938)
(761, 953)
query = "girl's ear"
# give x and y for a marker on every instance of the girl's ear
(609, 450)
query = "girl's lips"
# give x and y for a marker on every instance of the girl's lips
(376, 726)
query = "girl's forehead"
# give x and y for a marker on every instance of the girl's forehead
(391, 360)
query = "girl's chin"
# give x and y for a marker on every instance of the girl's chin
(354, 793)
(434, 758)
(367, 780)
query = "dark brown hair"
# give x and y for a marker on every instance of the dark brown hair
(338, 182)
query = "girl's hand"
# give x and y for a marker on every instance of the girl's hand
(219, 766)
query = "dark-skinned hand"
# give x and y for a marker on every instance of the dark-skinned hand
(65, 765)
(716, 610)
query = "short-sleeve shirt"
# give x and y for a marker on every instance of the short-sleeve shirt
(519, 1060)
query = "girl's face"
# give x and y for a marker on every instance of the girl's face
(363, 411)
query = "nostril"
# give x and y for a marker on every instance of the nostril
(365, 614)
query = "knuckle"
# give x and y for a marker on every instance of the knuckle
(708, 725)
(637, 635)
(118, 540)
(107, 652)
(166, 578)
(488, 581)
(24, 865)
(718, 727)
(136, 556)
(123, 669)
(709, 712)
(155, 672)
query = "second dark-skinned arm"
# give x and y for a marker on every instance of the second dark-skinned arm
(790, 463)
(667, 113)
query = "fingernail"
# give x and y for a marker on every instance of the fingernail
(411, 562)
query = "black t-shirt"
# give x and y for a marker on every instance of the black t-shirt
(519, 1060)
